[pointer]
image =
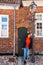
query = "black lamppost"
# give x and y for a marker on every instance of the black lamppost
(21, 4)
(32, 11)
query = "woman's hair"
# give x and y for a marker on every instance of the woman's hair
(27, 34)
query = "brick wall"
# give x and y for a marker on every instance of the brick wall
(22, 20)
(6, 44)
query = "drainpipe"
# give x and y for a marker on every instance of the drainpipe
(14, 31)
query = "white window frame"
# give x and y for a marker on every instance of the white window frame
(38, 21)
(6, 23)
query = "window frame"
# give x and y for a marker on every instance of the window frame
(4, 23)
(38, 21)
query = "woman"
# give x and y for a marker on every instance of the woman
(26, 46)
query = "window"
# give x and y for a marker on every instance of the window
(4, 26)
(39, 25)
(4, 21)
(39, 29)
(39, 17)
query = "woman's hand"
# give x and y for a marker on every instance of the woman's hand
(22, 48)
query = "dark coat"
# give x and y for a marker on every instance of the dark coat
(24, 43)
(30, 47)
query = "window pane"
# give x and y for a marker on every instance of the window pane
(37, 27)
(37, 24)
(4, 33)
(39, 17)
(40, 25)
(4, 19)
(4, 26)
(39, 32)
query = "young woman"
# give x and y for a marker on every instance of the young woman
(26, 46)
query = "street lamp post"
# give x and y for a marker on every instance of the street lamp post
(33, 58)
(32, 11)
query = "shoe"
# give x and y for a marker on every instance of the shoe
(24, 62)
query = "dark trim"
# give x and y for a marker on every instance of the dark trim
(16, 54)
(36, 54)
(2, 54)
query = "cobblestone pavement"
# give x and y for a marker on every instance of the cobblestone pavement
(10, 60)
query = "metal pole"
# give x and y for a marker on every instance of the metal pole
(32, 0)
(33, 7)
(33, 59)
(14, 31)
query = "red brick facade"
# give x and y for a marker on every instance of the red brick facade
(22, 15)
(6, 44)
(22, 20)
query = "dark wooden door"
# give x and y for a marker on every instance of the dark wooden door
(21, 36)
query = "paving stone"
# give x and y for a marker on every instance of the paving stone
(10, 63)
(13, 59)
(0, 63)
(3, 64)
(19, 61)
(4, 60)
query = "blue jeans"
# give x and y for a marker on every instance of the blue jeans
(26, 53)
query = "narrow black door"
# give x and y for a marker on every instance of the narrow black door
(21, 36)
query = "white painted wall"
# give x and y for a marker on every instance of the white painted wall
(27, 3)
(16, 6)
(9, 6)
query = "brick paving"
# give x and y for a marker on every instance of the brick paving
(38, 61)
(10, 60)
